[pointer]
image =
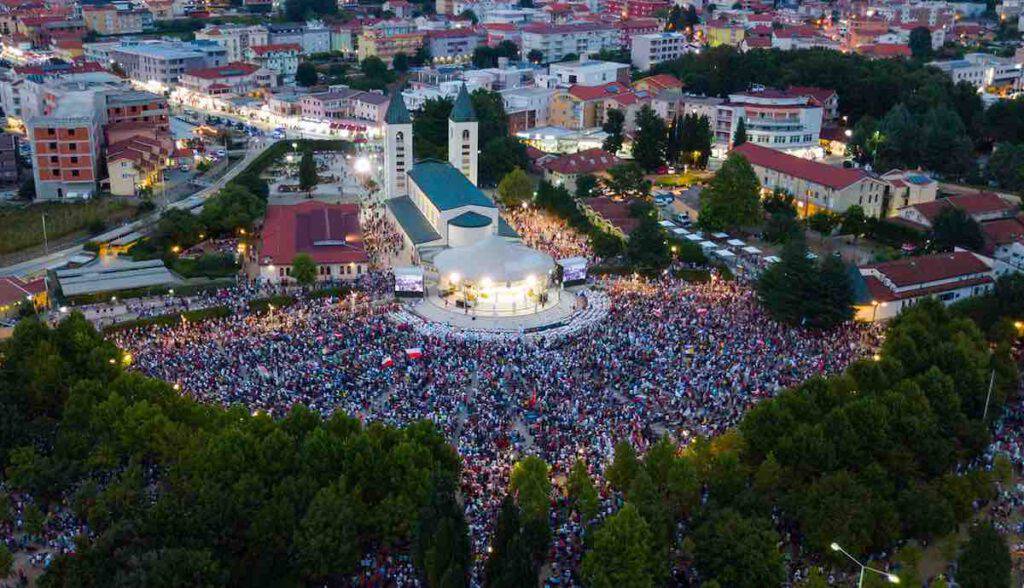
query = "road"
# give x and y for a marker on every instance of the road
(59, 258)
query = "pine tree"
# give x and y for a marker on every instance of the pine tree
(740, 136)
(621, 553)
(307, 171)
(732, 197)
(784, 285)
(582, 492)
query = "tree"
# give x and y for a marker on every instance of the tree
(400, 62)
(621, 553)
(535, 56)
(628, 179)
(695, 139)
(509, 564)
(529, 480)
(422, 56)
(6, 561)
(515, 188)
(647, 249)
(581, 491)
(305, 74)
(921, 43)
(27, 190)
(326, 543)
(614, 122)
(470, 16)
(864, 141)
(985, 560)
(304, 269)
(731, 198)
(955, 228)
(784, 285)
(1006, 166)
(307, 171)
(782, 227)
(500, 156)
(853, 221)
(738, 551)
(833, 304)
(442, 548)
(585, 186)
(823, 222)
(624, 466)
(651, 139)
(740, 136)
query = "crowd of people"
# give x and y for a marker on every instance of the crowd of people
(671, 357)
(547, 232)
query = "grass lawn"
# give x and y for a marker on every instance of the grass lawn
(22, 226)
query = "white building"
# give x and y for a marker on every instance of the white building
(280, 59)
(983, 70)
(785, 121)
(588, 72)
(236, 39)
(650, 50)
(556, 41)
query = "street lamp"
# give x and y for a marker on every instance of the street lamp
(892, 578)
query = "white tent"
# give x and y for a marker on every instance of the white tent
(724, 253)
(667, 224)
(772, 259)
(735, 242)
(694, 237)
(720, 235)
(493, 259)
(680, 231)
(707, 245)
(751, 250)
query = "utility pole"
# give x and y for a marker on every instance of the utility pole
(991, 382)
(46, 243)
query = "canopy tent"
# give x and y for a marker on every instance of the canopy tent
(694, 237)
(667, 224)
(772, 259)
(735, 242)
(680, 231)
(707, 245)
(724, 253)
(494, 259)
(720, 235)
(751, 250)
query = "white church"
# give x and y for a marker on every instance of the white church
(436, 204)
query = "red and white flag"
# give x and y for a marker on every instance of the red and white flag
(414, 353)
(387, 362)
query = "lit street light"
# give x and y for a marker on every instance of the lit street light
(892, 578)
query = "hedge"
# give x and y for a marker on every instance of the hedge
(172, 319)
(278, 301)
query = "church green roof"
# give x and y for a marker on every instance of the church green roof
(446, 187)
(462, 111)
(470, 220)
(397, 113)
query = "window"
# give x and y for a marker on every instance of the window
(465, 135)
(74, 173)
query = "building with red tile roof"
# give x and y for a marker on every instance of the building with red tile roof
(612, 214)
(980, 206)
(893, 285)
(814, 185)
(566, 169)
(656, 83)
(329, 233)
(14, 291)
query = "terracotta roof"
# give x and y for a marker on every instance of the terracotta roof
(1003, 231)
(584, 162)
(884, 50)
(881, 293)
(797, 32)
(14, 290)
(328, 233)
(758, 42)
(613, 211)
(812, 171)
(263, 49)
(660, 82)
(822, 95)
(610, 90)
(972, 204)
(225, 71)
(931, 268)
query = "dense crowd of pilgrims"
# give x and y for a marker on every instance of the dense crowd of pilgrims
(672, 357)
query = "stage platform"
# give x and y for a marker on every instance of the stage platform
(561, 318)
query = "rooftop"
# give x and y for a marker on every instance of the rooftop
(931, 268)
(414, 224)
(812, 171)
(446, 187)
(584, 162)
(328, 233)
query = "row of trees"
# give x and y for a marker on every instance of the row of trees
(868, 458)
(178, 493)
(500, 153)
(687, 139)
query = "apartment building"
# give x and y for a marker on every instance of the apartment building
(629, 9)
(283, 60)
(583, 107)
(313, 36)
(721, 32)
(108, 19)
(233, 78)
(65, 151)
(650, 50)
(344, 103)
(164, 62)
(9, 171)
(135, 163)
(632, 27)
(783, 120)
(556, 41)
(236, 39)
(983, 70)
(588, 72)
(377, 43)
(814, 185)
(453, 45)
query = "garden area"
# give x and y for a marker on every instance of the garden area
(21, 227)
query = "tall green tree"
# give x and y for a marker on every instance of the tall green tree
(921, 43)
(614, 123)
(515, 188)
(529, 480)
(955, 228)
(305, 74)
(784, 286)
(326, 544)
(738, 551)
(651, 139)
(303, 269)
(739, 137)
(628, 179)
(581, 491)
(732, 197)
(621, 553)
(624, 467)
(307, 171)
(985, 560)
(1006, 166)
